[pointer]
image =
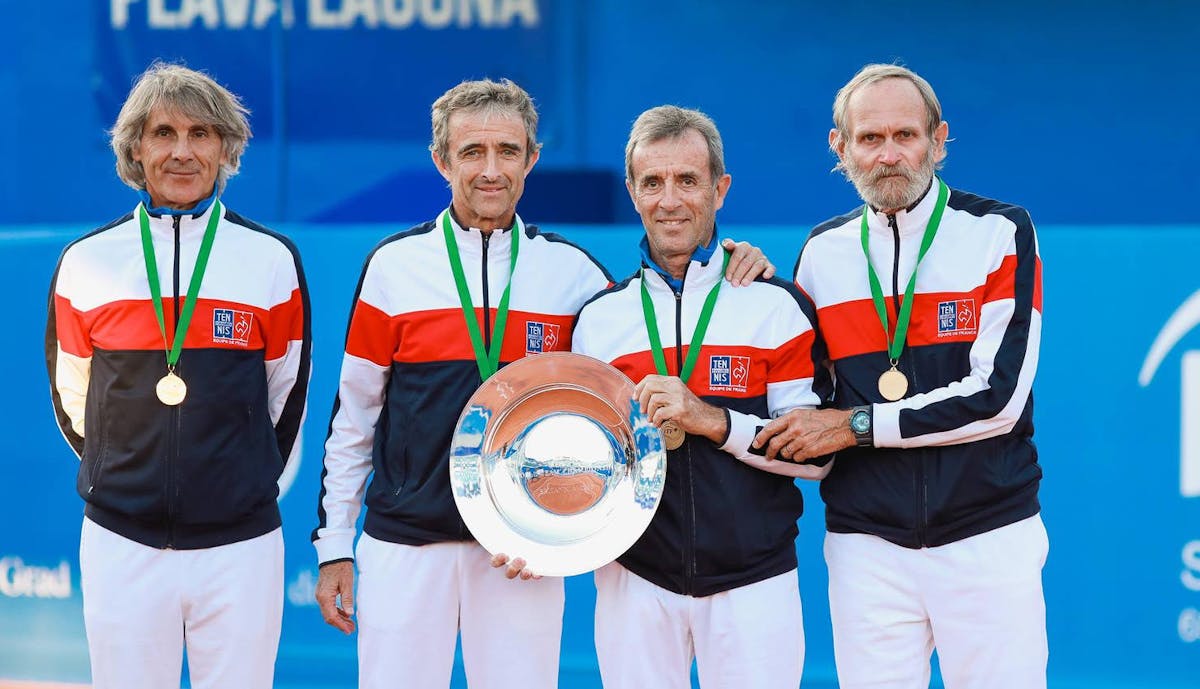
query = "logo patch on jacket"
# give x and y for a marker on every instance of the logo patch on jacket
(540, 337)
(728, 373)
(231, 326)
(956, 317)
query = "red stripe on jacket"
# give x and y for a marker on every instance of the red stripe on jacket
(441, 335)
(730, 371)
(131, 324)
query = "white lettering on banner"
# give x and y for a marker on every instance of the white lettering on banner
(18, 580)
(1191, 566)
(1186, 317)
(118, 13)
(1189, 425)
(1189, 625)
(212, 14)
(303, 589)
(330, 14)
(430, 14)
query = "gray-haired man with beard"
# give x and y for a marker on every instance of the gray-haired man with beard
(928, 306)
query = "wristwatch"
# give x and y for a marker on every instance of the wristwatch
(861, 427)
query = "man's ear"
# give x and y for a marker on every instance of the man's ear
(837, 143)
(940, 136)
(442, 168)
(533, 158)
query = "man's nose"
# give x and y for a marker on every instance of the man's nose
(182, 150)
(889, 153)
(670, 196)
(491, 165)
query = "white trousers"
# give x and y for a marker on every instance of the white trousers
(142, 605)
(978, 600)
(750, 637)
(413, 601)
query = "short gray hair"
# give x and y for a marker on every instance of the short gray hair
(878, 72)
(483, 95)
(672, 122)
(191, 93)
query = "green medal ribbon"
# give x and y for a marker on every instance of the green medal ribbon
(193, 293)
(656, 348)
(896, 343)
(488, 360)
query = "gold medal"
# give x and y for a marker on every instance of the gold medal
(672, 435)
(171, 389)
(893, 385)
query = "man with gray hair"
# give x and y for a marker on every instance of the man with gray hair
(178, 348)
(714, 577)
(439, 308)
(928, 301)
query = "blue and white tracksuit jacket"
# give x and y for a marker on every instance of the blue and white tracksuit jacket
(954, 458)
(409, 369)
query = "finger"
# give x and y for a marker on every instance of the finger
(343, 622)
(757, 268)
(773, 428)
(499, 560)
(791, 452)
(348, 601)
(662, 407)
(776, 447)
(644, 396)
(514, 568)
(741, 262)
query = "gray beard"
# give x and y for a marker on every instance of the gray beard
(890, 187)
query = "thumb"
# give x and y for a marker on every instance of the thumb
(348, 599)
(728, 244)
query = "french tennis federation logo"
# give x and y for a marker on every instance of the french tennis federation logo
(728, 373)
(232, 327)
(540, 337)
(956, 317)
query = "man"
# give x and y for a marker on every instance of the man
(929, 303)
(713, 578)
(178, 349)
(439, 308)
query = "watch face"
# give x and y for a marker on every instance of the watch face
(860, 422)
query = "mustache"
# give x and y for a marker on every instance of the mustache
(897, 170)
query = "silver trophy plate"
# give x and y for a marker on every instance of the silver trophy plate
(553, 462)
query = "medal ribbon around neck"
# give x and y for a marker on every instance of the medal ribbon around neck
(896, 344)
(656, 348)
(193, 293)
(488, 360)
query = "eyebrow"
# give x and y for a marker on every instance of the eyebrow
(506, 145)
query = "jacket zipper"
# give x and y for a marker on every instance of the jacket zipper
(689, 503)
(487, 335)
(921, 492)
(173, 436)
(487, 317)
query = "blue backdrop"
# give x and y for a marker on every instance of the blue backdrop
(1123, 577)
(1079, 108)
(1080, 111)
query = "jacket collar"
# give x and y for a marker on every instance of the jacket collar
(702, 256)
(910, 221)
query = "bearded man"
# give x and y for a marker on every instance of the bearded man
(928, 303)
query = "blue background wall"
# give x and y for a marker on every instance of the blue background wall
(1084, 112)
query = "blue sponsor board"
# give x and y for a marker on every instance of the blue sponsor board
(1117, 428)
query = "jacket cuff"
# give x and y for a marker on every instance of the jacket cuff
(742, 429)
(885, 424)
(334, 547)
